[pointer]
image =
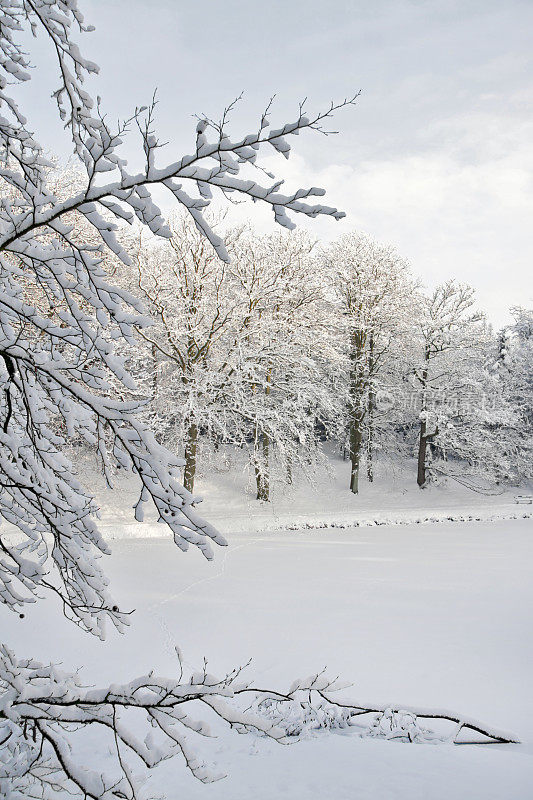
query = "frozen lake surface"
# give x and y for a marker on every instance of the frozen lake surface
(421, 615)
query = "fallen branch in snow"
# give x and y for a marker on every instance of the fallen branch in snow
(319, 710)
(45, 712)
(493, 735)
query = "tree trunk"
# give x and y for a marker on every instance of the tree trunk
(356, 438)
(289, 470)
(154, 374)
(370, 412)
(262, 465)
(357, 412)
(190, 457)
(423, 440)
(370, 453)
(422, 449)
(261, 470)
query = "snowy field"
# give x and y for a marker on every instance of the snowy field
(423, 615)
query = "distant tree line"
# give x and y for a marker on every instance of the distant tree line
(293, 342)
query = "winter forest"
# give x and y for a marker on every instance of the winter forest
(342, 442)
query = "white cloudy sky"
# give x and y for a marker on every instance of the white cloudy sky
(436, 157)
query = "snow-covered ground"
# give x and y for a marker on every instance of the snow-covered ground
(423, 615)
(393, 498)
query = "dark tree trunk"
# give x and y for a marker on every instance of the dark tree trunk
(261, 470)
(422, 450)
(356, 438)
(370, 453)
(190, 457)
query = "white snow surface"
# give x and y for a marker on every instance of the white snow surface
(393, 498)
(424, 615)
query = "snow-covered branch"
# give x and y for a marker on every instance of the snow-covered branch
(46, 715)
(61, 318)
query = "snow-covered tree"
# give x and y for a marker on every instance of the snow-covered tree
(289, 358)
(63, 365)
(187, 359)
(375, 292)
(453, 342)
(514, 368)
(239, 353)
(516, 357)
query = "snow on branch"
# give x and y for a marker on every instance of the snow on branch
(61, 377)
(46, 715)
(310, 705)
(43, 710)
(215, 163)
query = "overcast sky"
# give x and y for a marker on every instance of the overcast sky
(436, 157)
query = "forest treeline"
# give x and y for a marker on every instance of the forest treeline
(293, 342)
